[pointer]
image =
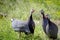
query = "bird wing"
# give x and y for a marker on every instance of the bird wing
(20, 26)
(47, 28)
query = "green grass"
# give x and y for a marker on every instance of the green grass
(20, 9)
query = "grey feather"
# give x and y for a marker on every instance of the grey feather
(20, 26)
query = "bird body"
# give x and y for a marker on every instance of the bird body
(52, 30)
(31, 25)
(44, 24)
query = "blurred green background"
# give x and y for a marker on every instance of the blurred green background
(20, 9)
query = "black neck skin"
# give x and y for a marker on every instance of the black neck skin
(31, 17)
(43, 15)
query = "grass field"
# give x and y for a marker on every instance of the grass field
(20, 9)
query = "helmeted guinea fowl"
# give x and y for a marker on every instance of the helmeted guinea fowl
(24, 26)
(49, 27)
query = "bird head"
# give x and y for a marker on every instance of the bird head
(32, 11)
(42, 12)
(47, 16)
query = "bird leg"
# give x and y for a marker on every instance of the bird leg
(19, 35)
(50, 39)
(31, 36)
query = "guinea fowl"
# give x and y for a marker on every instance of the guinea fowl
(31, 23)
(24, 26)
(49, 27)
